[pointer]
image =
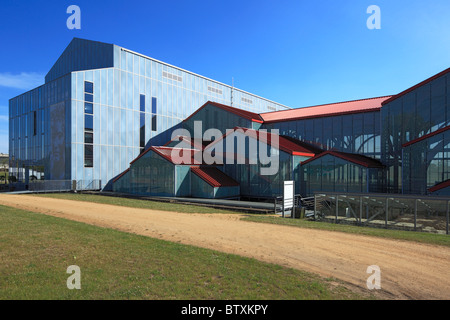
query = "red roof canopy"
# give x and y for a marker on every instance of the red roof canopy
(355, 158)
(188, 140)
(326, 110)
(440, 186)
(429, 135)
(121, 175)
(242, 113)
(284, 144)
(214, 177)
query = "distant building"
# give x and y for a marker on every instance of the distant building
(4, 161)
(101, 106)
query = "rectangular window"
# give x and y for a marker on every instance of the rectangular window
(142, 123)
(88, 97)
(142, 103)
(214, 90)
(172, 76)
(154, 105)
(88, 137)
(88, 108)
(34, 123)
(88, 155)
(154, 111)
(88, 87)
(248, 101)
(88, 122)
(154, 123)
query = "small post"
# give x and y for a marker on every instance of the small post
(315, 206)
(360, 209)
(337, 208)
(448, 209)
(415, 215)
(387, 210)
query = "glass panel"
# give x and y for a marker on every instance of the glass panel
(88, 87)
(88, 137)
(142, 103)
(88, 108)
(88, 122)
(154, 101)
(154, 127)
(88, 155)
(89, 97)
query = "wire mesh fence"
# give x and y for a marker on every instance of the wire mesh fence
(64, 185)
(427, 214)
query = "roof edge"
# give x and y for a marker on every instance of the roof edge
(420, 84)
(427, 136)
(439, 186)
(343, 156)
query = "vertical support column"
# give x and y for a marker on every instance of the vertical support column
(315, 206)
(387, 211)
(337, 208)
(415, 215)
(448, 209)
(360, 209)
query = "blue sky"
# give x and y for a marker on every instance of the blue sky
(295, 52)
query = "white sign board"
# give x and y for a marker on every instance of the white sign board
(288, 195)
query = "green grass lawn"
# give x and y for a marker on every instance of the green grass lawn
(37, 249)
(422, 237)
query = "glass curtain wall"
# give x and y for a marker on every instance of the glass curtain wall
(353, 133)
(426, 163)
(146, 173)
(411, 116)
(333, 174)
(39, 132)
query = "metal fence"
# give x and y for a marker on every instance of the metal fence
(64, 185)
(401, 212)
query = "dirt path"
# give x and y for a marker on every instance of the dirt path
(408, 270)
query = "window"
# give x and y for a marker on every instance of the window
(88, 87)
(142, 123)
(248, 101)
(88, 124)
(154, 105)
(214, 90)
(88, 108)
(172, 76)
(154, 110)
(88, 97)
(142, 103)
(34, 123)
(88, 155)
(88, 137)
